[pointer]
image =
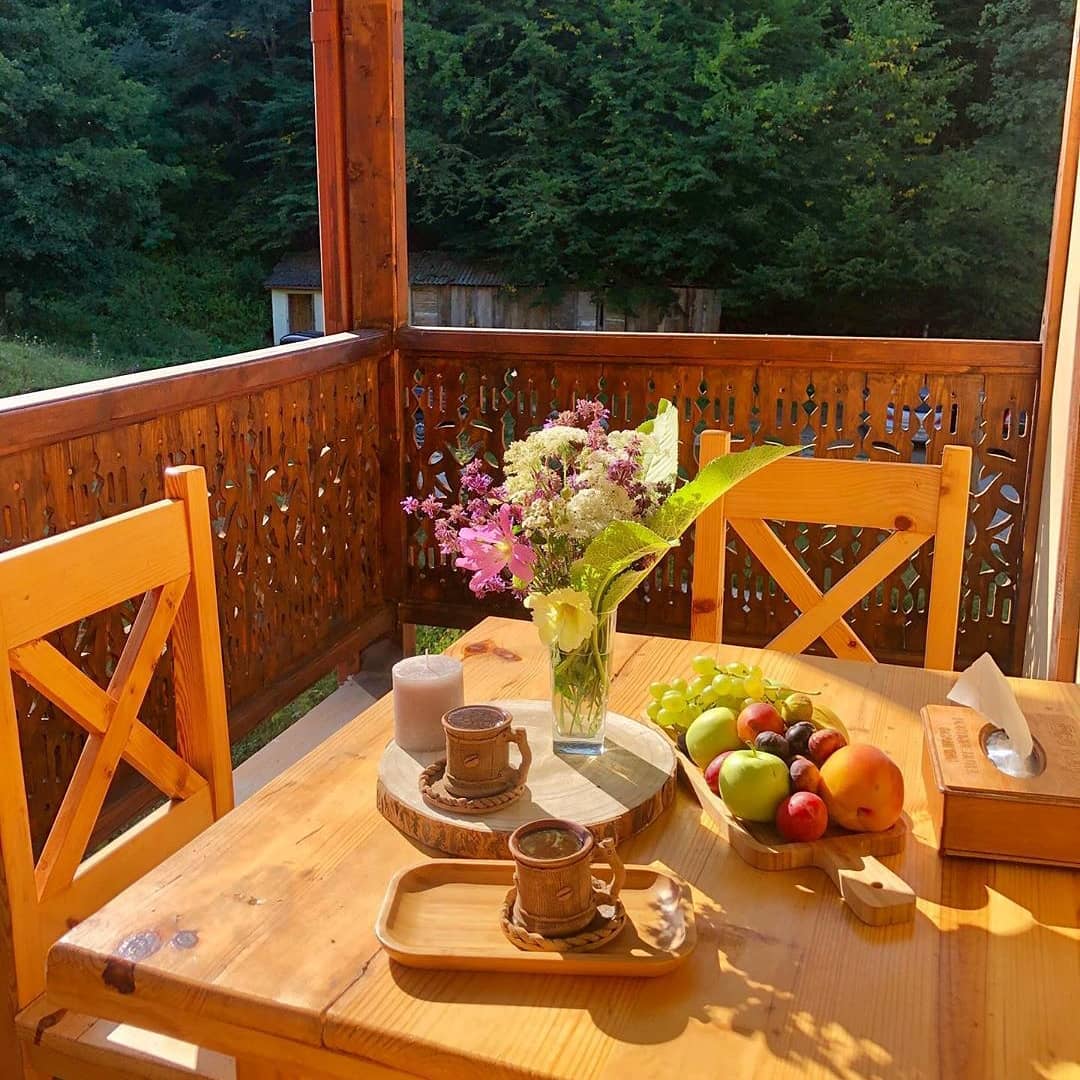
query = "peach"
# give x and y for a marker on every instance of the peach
(758, 717)
(863, 788)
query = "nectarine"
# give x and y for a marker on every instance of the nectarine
(863, 788)
(758, 717)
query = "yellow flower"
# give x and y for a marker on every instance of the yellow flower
(564, 617)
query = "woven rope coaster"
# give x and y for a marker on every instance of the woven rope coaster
(434, 793)
(596, 935)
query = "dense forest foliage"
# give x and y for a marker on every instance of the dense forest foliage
(862, 166)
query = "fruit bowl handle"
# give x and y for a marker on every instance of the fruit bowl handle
(872, 891)
(605, 849)
(519, 736)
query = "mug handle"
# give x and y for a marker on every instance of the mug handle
(519, 736)
(606, 851)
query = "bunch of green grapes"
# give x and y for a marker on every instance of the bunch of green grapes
(733, 686)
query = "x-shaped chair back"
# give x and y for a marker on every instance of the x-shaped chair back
(913, 502)
(163, 553)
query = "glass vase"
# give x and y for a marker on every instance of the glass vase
(580, 684)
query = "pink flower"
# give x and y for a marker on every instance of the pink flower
(492, 548)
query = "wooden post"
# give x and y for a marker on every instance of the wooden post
(330, 160)
(360, 130)
(374, 46)
(1065, 641)
(1060, 234)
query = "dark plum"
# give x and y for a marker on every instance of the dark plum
(770, 742)
(798, 737)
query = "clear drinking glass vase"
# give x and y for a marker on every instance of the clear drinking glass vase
(580, 684)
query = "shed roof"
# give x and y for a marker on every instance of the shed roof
(301, 270)
(438, 268)
(297, 270)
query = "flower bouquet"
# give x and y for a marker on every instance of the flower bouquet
(581, 517)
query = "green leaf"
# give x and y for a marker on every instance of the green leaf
(682, 508)
(662, 465)
(611, 553)
(622, 586)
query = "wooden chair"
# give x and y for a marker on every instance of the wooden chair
(161, 552)
(913, 502)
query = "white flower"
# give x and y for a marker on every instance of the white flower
(590, 511)
(564, 617)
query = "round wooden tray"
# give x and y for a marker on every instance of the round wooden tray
(616, 794)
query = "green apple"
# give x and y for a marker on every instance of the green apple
(753, 785)
(712, 733)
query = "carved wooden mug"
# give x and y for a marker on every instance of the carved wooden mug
(478, 739)
(556, 894)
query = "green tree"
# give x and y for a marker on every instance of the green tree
(236, 76)
(781, 150)
(991, 207)
(77, 184)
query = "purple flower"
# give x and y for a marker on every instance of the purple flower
(590, 412)
(446, 536)
(410, 504)
(431, 506)
(585, 413)
(622, 471)
(474, 479)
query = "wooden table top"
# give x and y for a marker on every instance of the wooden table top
(280, 897)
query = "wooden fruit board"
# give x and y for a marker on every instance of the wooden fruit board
(445, 914)
(873, 892)
(615, 794)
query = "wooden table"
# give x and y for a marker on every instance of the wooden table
(267, 948)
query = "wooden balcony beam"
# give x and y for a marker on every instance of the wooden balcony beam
(930, 354)
(49, 416)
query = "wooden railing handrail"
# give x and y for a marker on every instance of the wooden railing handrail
(939, 354)
(48, 416)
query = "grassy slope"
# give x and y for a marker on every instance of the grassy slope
(29, 364)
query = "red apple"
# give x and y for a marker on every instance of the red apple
(758, 717)
(712, 771)
(802, 816)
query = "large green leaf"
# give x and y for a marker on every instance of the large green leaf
(622, 586)
(610, 554)
(681, 509)
(661, 466)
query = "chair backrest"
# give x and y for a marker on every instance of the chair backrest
(913, 502)
(161, 552)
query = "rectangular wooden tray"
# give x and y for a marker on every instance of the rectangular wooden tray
(445, 914)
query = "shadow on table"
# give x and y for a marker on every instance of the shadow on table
(758, 985)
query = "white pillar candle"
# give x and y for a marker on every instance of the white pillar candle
(425, 687)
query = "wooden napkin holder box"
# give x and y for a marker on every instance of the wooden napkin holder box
(981, 813)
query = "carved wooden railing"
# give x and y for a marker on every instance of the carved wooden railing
(301, 450)
(468, 393)
(292, 445)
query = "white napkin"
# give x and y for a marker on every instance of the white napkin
(983, 688)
